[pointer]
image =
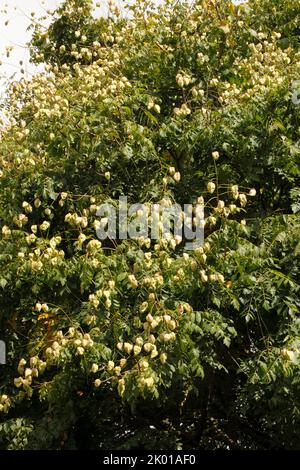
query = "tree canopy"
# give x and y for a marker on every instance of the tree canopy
(138, 343)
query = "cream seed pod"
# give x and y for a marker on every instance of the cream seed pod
(149, 318)
(172, 170)
(243, 199)
(136, 350)
(179, 80)
(233, 208)
(177, 177)
(149, 382)
(27, 207)
(152, 339)
(154, 323)
(106, 294)
(288, 354)
(33, 361)
(203, 258)
(44, 226)
(27, 373)
(55, 345)
(93, 246)
(207, 247)
(128, 347)
(215, 155)
(171, 324)
(132, 281)
(235, 191)
(18, 382)
(211, 220)
(3, 399)
(47, 211)
(199, 251)
(163, 358)
(80, 350)
(72, 331)
(180, 309)
(6, 232)
(148, 347)
(121, 387)
(117, 370)
(154, 353)
(226, 211)
(139, 341)
(35, 372)
(144, 364)
(123, 362)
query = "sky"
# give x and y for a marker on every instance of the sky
(15, 34)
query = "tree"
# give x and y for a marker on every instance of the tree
(138, 343)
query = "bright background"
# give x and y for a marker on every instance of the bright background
(15, 34)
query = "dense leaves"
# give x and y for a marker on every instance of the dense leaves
(139, 343)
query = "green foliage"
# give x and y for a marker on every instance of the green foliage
(137, 343)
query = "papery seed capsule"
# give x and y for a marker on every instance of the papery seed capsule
(123, 362)
(177, 177)
(152, 339)
(139, 341)
(215, 155)
(211, 187)
(148, 347)
(149, 318)
(97, 383)
(80, 351)
(287, 354)
(136, 350)
(163, 358)
(128, 347)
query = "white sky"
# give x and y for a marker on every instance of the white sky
(15, 34)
